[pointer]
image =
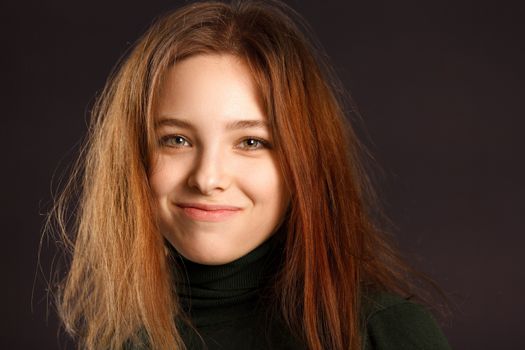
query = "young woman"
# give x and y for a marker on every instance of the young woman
(223, 203)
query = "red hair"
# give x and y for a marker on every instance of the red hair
(335, 255)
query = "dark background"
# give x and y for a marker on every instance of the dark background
(440, 85)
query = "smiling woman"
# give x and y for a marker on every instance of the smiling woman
(218, 188)
(223, 201)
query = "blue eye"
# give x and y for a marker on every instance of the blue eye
(175, 141)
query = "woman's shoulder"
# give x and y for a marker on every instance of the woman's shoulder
(393, 322)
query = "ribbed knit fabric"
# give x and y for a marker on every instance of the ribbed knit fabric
(394, 323)
(231, 288)
(227, 306)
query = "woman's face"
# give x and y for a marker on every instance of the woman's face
(216, 181)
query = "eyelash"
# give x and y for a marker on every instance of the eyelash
(164, 142)
(262, 143)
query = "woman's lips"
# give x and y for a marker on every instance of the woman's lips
(208, 212)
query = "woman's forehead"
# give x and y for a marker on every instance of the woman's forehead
(212, 87)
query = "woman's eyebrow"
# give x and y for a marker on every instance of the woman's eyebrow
(233, 125)
(246, 124)
(175, 122)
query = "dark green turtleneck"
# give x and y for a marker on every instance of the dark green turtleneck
(229, 305)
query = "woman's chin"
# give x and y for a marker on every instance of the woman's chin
(207, 253)
(209, 257)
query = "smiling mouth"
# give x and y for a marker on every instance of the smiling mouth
(209, 213)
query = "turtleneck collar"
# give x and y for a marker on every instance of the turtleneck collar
(211, 294)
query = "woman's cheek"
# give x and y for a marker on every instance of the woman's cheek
(262, 179)
(164, 177)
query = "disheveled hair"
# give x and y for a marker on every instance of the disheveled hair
(119, 289)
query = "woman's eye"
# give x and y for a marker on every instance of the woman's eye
(175, 141)
(252, 143)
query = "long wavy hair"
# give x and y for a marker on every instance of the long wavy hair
(118, 282)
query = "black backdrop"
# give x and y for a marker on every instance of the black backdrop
(440, 87)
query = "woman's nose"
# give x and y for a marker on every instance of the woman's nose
(209, 173)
